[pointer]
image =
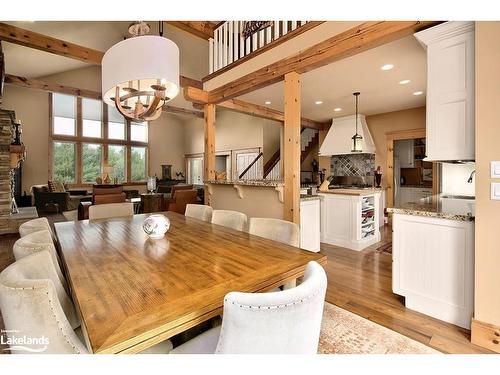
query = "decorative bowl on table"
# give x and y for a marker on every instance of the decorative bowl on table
(156, 226)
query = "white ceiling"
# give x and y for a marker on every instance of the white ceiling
(380, 92)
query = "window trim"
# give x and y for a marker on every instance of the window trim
(79, 139)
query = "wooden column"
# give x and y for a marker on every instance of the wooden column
(209, 150)
(291, 148)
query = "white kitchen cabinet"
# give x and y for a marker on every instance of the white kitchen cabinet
(310, 225)
(433, 266)
(450, 131)
(404, 150)
(350, 221)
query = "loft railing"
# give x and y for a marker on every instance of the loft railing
(229, 45)
(254, 170)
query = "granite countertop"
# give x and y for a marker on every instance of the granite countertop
(308, 197)
(437, 206)
(264, 183)
(358, 192)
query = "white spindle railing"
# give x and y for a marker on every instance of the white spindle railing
(228, 44)
(274, 174)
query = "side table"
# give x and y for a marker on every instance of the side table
(152, 202)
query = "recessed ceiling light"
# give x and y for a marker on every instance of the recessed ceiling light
(337, 109)
(318, 102)
(387, 67)
(267, 102)
(404, 82)
(416, 93)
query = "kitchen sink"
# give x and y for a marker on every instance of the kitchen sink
(452, 196)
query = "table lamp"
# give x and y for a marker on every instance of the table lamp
(107, 171)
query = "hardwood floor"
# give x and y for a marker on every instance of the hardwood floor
(359, 282)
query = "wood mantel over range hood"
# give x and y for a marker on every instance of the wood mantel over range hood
(338, 141)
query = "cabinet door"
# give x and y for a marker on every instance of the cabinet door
(310, 225)
(450, 93)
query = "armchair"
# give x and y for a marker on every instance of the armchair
(45, 200)
(179, 200)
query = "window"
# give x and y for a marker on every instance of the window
(116, 124)
(81, 148)
(64, 109)
(63, 162)
(116, 159)
(92, 118)
(139, 131)
(195, 170)
(91, 161)
(138, 163)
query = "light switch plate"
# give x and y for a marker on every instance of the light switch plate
(495, 169)
(495, 190)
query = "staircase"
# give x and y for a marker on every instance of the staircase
(308, 139)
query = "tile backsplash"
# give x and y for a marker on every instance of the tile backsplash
(353, 165)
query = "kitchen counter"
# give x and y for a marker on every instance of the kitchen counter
(308, 197)
(357, 192)
(437, 206)
(265, 183)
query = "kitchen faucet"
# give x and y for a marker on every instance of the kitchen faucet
(471, 175)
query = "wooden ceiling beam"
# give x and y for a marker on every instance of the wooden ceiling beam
(37, 84)
(199, 99)
(31, 39)
(357, 39)
(201, 29)
(182, 111)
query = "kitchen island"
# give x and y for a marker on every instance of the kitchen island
(351, 217)
(433, 257)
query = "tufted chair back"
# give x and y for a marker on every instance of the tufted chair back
(230, 219)
(275, 229)
(110, 210)
(199, 211)
(286, 322)
(34, 303)
(34, 225)
(36, 242)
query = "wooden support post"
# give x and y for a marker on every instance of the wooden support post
(291, 148)
(209, 153)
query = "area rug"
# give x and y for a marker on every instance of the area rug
(71, 215)
(343, 332)
(385, 248)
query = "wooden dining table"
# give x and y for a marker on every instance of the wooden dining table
(132, 292)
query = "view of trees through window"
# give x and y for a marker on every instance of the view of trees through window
(138, 163)
(91, 161)
(116, 158)
(63, 156)
(70, 119)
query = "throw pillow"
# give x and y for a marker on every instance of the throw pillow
(56, 187)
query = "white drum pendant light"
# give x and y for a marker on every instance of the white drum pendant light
(140, 74)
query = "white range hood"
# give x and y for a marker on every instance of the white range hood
(338, 141)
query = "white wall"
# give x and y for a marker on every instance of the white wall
(454, 179)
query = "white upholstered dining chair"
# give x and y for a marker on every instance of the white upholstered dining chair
(230, 219)
(34, 225)
(36, 242)
(286, 322)
(275, 229)
(110, 210)
(199, 211)
(34, 303)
